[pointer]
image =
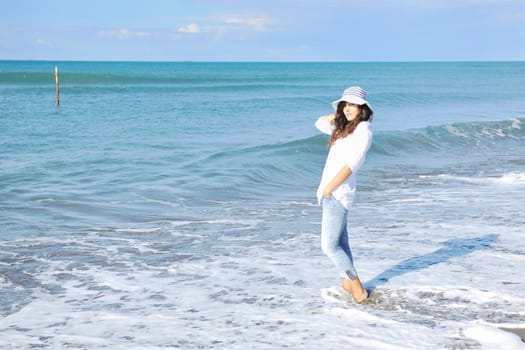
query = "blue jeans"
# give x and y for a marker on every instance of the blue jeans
(334, 237)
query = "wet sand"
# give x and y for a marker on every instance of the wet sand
(519, 331)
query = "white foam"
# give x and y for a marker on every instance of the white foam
(455, 131)
(235, 288)
(516, 124)
(494, 338)
(512, 178)
(137, 230)
(377, 332)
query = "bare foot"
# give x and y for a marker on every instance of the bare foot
(355, 288)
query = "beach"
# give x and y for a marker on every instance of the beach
(172, 205)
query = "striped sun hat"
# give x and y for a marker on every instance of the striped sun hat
(353, 94)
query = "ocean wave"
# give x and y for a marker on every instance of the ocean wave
(69, 78)
(288, 164)
(448, 137)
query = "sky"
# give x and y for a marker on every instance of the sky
(263, 30)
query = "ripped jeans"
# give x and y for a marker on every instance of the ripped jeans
(334, 237)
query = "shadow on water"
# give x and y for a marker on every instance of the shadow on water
(453, 249)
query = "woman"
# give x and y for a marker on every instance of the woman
(350, 139)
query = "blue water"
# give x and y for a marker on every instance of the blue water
(168, 173)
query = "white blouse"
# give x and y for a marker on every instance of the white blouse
(350, 150)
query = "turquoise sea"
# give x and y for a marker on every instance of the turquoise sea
(172, 205)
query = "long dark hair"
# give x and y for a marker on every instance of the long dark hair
(343, 127)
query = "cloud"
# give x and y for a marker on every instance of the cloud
(428, 5)
(190, 28)
(42, 42)
(258, 23)
(228, 24)
(123, 34)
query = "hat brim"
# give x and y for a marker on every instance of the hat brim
(352, 99)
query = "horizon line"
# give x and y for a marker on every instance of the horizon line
(255, 61)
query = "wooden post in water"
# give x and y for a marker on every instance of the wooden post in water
(57, 87)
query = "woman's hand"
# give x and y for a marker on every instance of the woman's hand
(341, 176)
(328, 118)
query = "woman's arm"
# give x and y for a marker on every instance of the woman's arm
(341, 176)
(363, 140)
(324, 124)
(328, 118)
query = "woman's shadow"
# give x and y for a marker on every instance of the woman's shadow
(453, 248)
